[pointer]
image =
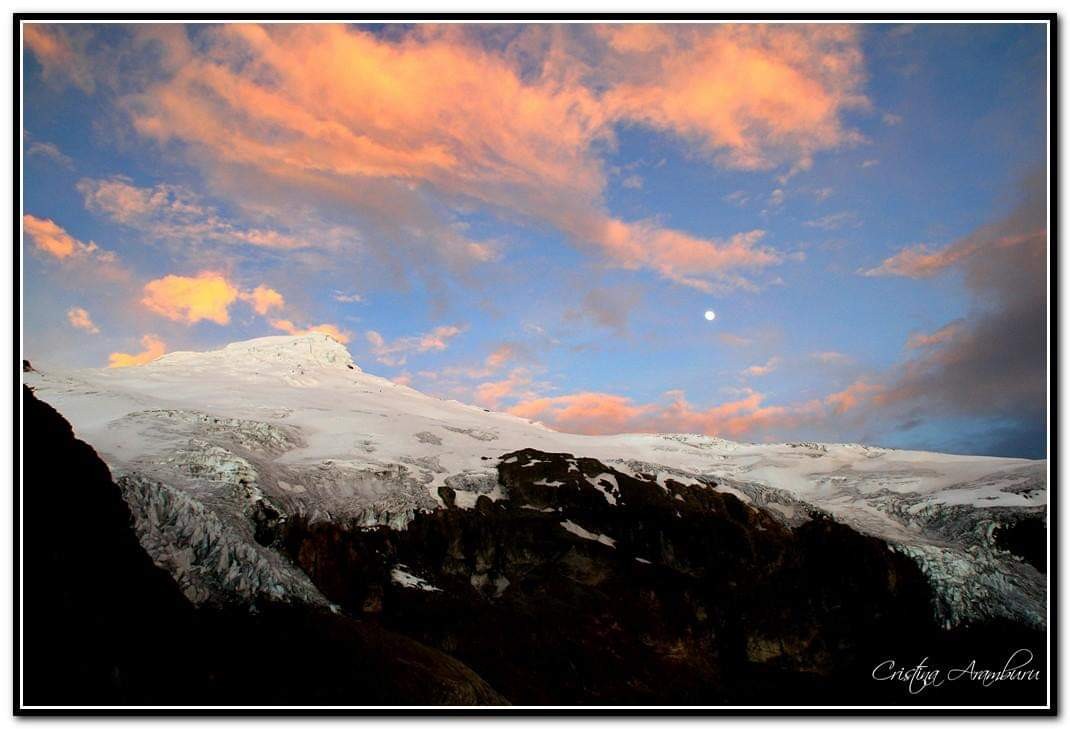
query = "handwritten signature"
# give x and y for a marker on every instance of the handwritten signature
(921, 676)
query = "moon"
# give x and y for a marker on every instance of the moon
(710, 315)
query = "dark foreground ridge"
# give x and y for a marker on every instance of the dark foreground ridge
(584, 586)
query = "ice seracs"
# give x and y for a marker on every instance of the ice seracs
(219, 448)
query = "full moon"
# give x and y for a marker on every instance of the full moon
(710, 315)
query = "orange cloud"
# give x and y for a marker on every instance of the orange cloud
(336, 110)
(490, 394)
(584, 412)
(154, 349)
(854, 395)
(330, 330)
(79, 319)
(190, 299)
(263, 299)
(206, 296)
(55, 241)
(753, 94)
(636, 37)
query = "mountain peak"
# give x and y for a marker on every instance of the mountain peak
(313, 349)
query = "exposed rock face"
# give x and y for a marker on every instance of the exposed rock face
(104, 625)
(586, 585)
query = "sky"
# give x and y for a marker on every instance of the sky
(537, 218)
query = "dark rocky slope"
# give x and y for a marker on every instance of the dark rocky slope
(694, 598)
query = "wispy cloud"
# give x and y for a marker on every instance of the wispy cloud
(169, 212)
(734, 340)
(344, 298)
(943, 335)
(396, 352)
(49, 151)
(760, 370)
(608, 307)
(831, 357)
(834, 221)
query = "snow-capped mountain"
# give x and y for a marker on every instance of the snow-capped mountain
(217, 451)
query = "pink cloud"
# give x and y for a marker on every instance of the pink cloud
(170, 212)
(79, 319)
(746, 416)
(946, 333)
(502, 354)
(596, 413)
(59, 55)
(762, 369)
(921, 262)
(395, 353)
(427, 111)
(490, 394)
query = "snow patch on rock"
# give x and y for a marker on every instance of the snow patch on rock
(582, 533)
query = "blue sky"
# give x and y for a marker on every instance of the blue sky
(536, 218)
